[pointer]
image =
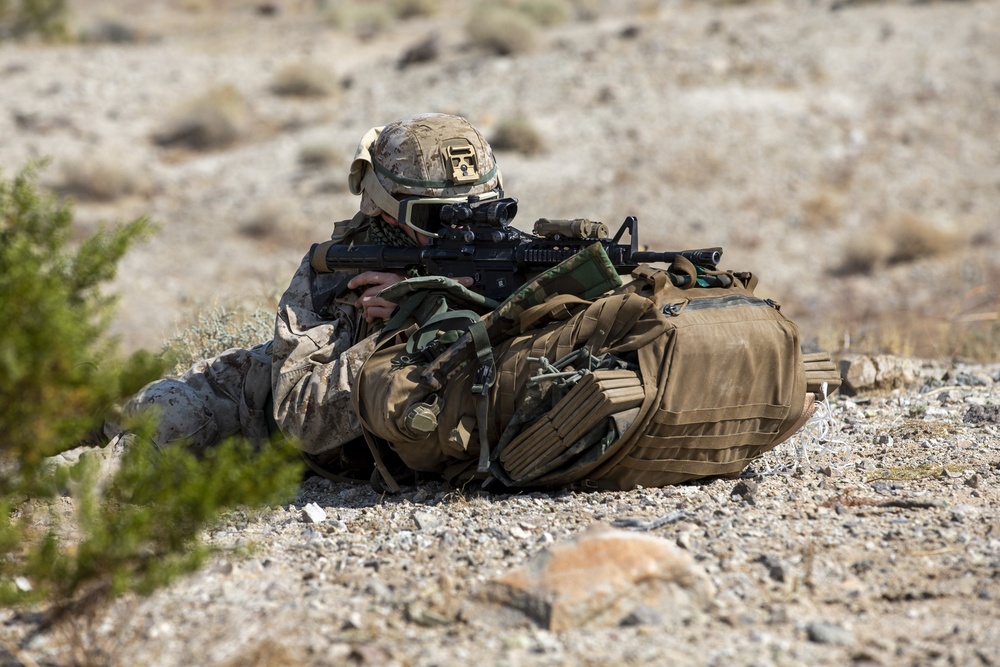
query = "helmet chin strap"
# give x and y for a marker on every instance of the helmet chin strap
(379, 194)
(362, 177)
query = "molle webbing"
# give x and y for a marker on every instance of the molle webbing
(820, 369)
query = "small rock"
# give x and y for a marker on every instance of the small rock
(745, 489)
(775, 568)
(519, 533)
(882, 440)
(313, 513)
(822, 632)
(882, 487)
(642, 615)
(979, 414)
(973, 379)
(427, 520)
(868, 464)
(973, 482)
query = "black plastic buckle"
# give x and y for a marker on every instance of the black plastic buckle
(484, 380)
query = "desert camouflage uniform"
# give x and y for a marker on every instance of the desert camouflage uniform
(320, 341)
(214, 399)
(300, 383)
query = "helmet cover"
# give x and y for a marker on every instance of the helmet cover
(427, 155)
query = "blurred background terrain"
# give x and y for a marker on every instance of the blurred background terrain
(846, 152)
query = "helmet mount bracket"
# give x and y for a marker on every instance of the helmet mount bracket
(460, 160)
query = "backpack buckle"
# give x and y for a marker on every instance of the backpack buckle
(483, 381)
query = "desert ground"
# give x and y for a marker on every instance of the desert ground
(845, 152)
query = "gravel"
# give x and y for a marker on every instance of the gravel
(876, 543)
(784, 131)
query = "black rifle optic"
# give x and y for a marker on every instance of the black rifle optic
(477, 240)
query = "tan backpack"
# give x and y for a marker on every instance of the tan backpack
(578, 380)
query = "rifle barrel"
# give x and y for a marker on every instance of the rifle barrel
(702, 256)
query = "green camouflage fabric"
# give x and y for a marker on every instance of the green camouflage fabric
(424, 300)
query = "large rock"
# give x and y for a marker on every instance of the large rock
(606, 577)
(861, 372)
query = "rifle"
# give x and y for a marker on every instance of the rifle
(476, 239)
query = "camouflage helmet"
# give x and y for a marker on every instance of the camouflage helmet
(427, 155)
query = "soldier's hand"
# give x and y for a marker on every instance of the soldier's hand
(372, 306)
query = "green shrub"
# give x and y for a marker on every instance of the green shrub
(546, 12)
(20, 18)
(364, 20)
(133, 525)
(137, 531)
(57, 372)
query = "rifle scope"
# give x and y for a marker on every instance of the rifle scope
(498, 212)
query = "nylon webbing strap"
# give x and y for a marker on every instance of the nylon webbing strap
(449, 320)
(387, 477)
(481, 388)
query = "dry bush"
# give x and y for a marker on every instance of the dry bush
(277, 223)
(426, 50)
(364, 20)
(915, 237)
(697, 167)
(266, 221)
(586, 10)
(409, 9)
(101, 178)
(216, 119)
(822, 210)
(267, 653)
(304, 79)
(217, 330)
(902, 238)
(318, 156)
(929, 336)
(110, 31)
(502, 30)
(863, 254)
(546, 12)
(517, 134)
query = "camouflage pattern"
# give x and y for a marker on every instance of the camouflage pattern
(428, 155)
(321, 339)
(309, 365)
(315, 359)
(214, 399)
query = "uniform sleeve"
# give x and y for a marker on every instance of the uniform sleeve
(315, 360)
